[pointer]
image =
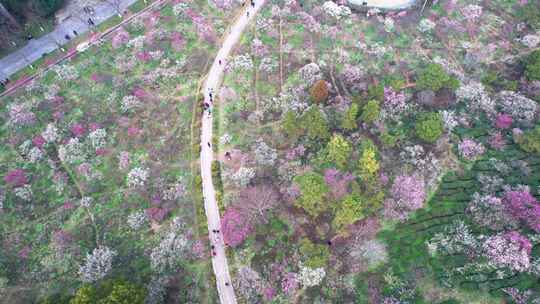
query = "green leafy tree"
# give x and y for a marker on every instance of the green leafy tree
(315, 255)
(371, 111)
(125, 293)
(429, 127)
(110, 292)
(434, 78)
(339, 151)
(85, 295)
(530, 140)
(313, 193)
(349, 118)
(530, 14)
(532, 66)
(47, 7)
(349, 210)
(315, 124)
(388, 139)
(368, 165)
(291, 127)
(376, 92)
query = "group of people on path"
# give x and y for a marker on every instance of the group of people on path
(4, 82)
(252, 2)
(213, 247)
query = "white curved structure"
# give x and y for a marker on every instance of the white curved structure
(213, 81)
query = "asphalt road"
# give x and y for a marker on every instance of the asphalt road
(35, 48)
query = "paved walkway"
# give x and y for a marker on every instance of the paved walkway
(219, 262)
(35, 48)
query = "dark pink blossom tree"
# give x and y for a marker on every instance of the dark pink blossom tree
(177, 41)
(235, 227)
(503, 121)
(157, 214)
(524, 206)
(16, 178)
(77, 129)
(38, 141)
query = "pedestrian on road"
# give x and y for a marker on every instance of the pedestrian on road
(226, 283)
(252, 3)
(247, 14)
(213, 247)
(243, 3)
(220, 62)
(67, 37)
(209, 145)
(75, 33)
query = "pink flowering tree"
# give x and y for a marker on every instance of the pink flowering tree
(407, 194)
(255, 202)
(469, 149)
(496, 141)
(120, 38)
(177, 41)
(16, 178)
(337, 182)
(290, 283)
(394, 103)
(510, 250)
(523, 206)
(235, 227)
(503, 121)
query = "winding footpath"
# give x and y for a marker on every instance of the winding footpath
(213, 81)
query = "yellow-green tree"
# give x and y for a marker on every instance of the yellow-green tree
(291, 127)
(339, 151)
(368, 165)
(313, 193)
(315, 255)
(349, 118)
(349, 210)
(315, 124)
(371, 111)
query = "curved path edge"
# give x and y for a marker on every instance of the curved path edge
(213, 81)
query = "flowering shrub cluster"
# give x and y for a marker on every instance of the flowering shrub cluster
(510, 250)
(97, 264)
(407, 194)
(469, 149)
(523, 206)
(137, 177)
(235, 227)
(336, 11)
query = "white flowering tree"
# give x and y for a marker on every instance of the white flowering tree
(310, 277)
(97, 264)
